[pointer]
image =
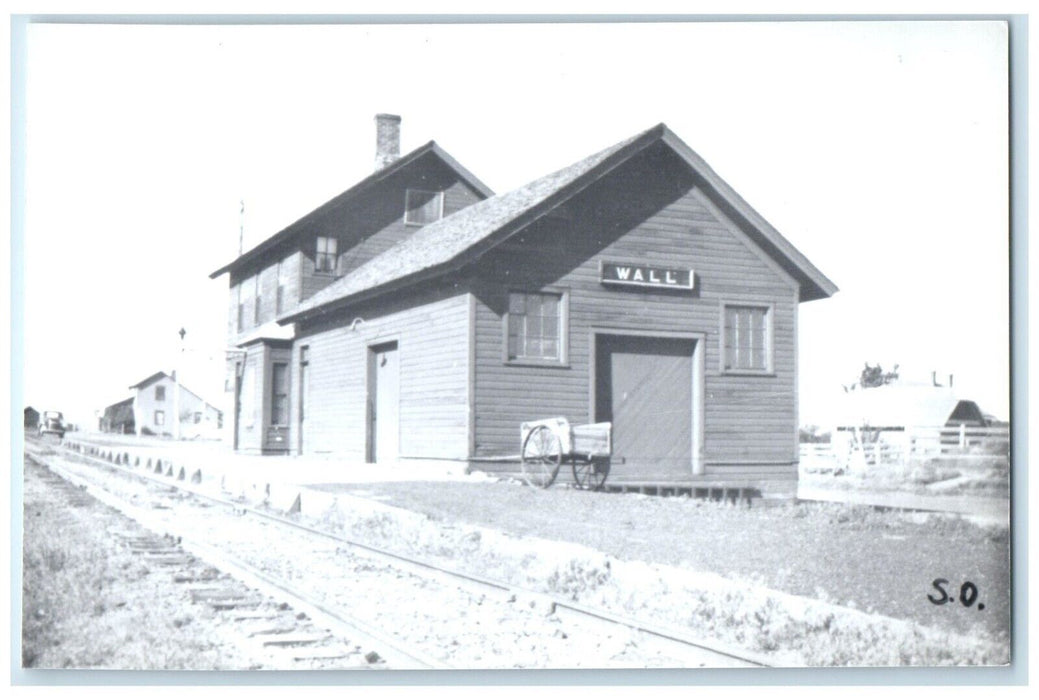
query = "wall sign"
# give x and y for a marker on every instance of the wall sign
(627, 274)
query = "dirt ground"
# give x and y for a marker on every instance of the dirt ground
(883, 562)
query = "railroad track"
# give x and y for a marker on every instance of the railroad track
(281, 616)
(683, 649)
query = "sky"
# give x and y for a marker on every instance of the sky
(879, 149)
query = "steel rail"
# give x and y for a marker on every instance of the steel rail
(425, 567)
(397, 655)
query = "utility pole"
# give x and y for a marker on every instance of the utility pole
(176, 386)
(241, 225)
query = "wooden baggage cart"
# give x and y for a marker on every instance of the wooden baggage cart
(547, 443)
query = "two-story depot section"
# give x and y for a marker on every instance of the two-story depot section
(419, 317)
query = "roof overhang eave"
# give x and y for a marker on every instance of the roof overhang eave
(372, 292)
(814, 284)
(356, 190)
(502, 233)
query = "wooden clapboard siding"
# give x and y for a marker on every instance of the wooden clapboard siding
(250, 427)
(649, 211)
(375, 221)
(431, 330)
(268, 289)
(371, 223)
(268, 275)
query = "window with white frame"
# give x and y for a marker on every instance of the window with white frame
(160, 418)
(160, 393)
(325, 255)
(422, 207)
(747, 338)
(536, 326)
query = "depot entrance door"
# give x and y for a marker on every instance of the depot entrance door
(384, 403)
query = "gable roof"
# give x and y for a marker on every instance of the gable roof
(162, 375)
(455, 240)
(145, 382)
(119, 404)
(434, 248)
(344, 197)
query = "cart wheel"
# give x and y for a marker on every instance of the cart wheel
(591, 474)
(542, 453)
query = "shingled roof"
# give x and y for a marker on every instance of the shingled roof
(345, 197)
(455, 240)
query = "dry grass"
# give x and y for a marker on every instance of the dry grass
(89, 603)
(654, 557)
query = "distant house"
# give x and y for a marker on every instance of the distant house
(32, 417)
(917, 417)
(118, 418)
(154, 406)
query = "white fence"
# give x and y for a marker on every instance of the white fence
(865, 446)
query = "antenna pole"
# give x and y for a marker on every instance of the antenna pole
(241, 224)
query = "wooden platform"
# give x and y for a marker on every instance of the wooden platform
(708, 486)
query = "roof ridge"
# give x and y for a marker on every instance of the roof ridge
(287, 231)
(341, 288)
(467, 234)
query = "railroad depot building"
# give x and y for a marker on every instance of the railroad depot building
(417, 316)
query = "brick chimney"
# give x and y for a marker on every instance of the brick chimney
(387, 139)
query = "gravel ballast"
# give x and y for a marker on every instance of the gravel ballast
(809, 584)
(858, 561)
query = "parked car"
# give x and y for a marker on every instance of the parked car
(52, 422)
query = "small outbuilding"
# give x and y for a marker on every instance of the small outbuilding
(118, 418)
(910, 418)
(32, 418)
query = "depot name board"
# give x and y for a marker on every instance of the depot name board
(626, 274)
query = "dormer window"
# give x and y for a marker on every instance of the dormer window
(325, 259)
(422, 207)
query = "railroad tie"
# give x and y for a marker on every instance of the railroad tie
(323, 654)
(297, 639)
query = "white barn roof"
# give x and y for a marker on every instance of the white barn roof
(899, 405)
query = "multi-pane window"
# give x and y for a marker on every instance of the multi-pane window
(325, 258)
(747, 338)
(249, 300)
(422, 207)
(535, 327)
(160, 393)
(256, 300)
(160, 418)
(280, 393)
(283, 279)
